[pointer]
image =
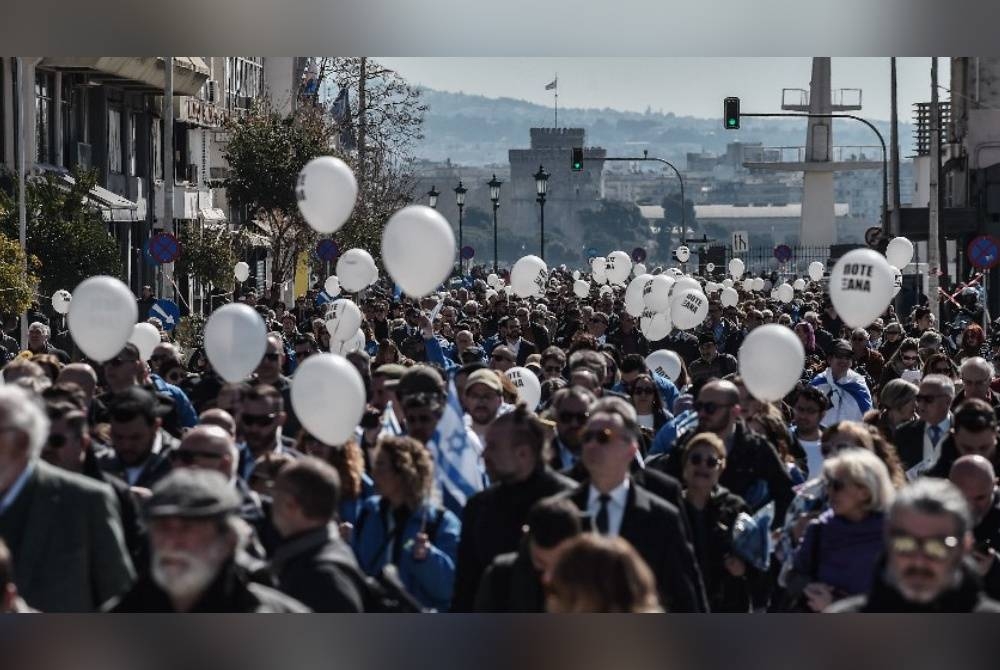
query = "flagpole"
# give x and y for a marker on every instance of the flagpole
(557, 102)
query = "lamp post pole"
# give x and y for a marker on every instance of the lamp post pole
(460, 192)
(494, 185)
(541, 187)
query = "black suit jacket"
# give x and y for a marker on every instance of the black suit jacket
(654, 527)
(526, 349)
(909, 441)
(318, 569)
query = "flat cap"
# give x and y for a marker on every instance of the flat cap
(192, 494)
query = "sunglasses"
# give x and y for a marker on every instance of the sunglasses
(643, 390)
(835, 485)
(603, 436)
(709, 407)
(935, 548)
(710, 462)
(258, 419)
(573, 417)
(56, 441)
(189, 456)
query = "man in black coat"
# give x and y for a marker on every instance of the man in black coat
(313, 564)
(928, 539)
(973, 432)
(141, 455)
(509, 335)
(976, 478)
(514, 582)
(194, 540)
(751, 458)
(618, 505)
(920, 440)
(493, 519)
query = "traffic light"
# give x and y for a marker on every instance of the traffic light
(731, 117)
(577, 164)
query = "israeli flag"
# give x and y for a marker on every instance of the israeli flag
(390, 425)
(457, 456)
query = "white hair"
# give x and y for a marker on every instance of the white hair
(865, 469)
(38, 325)
(944, 384)
(977, 363)
(21, 411)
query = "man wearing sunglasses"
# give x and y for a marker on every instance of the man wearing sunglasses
(262, 420)
(928, 538)
(619, 506)
(847, 390)
(269, 373)
(973, 432)
(919, 441)
(141, 448)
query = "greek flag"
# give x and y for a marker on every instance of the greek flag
(551, 85)
(457, 456)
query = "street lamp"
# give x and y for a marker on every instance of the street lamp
(460, 192)
(432, 197)
(541, 186)
(494, 185)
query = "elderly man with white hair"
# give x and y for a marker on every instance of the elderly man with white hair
(63, 529)
(38, 342)
(977, 374)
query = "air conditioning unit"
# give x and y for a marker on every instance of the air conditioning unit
(83, 155)
(213, 91)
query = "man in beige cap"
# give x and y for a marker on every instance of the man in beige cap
(483, 400)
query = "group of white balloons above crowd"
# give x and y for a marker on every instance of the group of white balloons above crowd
(418, 252)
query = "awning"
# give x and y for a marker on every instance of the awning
(113, 207)
(212, 214)
(138, 73)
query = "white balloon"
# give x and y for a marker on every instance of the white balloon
(786, 293)
(328, 395)
(674, 272)
(774, 294)
(727, 282)
(576, 274)
(771, 360)
(655, 326)
(748, 284)
(61, 300)
(418, 249)
(729, 297)
(638, 269)
(617, 267)
(799, 285)
(326, 192)
(688, 308)
(897, 280)
(656, 293)
(605, 290)
(241, 271)
(598, 268)
(581, 289)
(683, 254)
(528, 276)
(861, 286)
(709, 267)
(355, 343)
(343, 320)
(332, 286)
(634, 305)
(635, 288)
(758, 284)
(529, 389)
(665, 362)
(235, 341)
(899, 252)
(685, 283)
(816, 270)
(356, 270)
(145, 337)
(101, 316)
(737, 268)
(492, 280)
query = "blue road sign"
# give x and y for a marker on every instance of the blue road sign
(984, 252)
(468, 253)
(327, 250)
(592, 252)
(164, 247)
(638, 254)
(166, 311)
(783, 253)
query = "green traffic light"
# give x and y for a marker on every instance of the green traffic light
(732, 122)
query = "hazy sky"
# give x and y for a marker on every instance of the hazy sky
(684, 86)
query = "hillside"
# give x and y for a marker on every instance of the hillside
(476, 130)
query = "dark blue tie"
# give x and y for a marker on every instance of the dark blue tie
(602, 514)
(935, 434)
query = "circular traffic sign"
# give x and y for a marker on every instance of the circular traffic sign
(873, 236)
(164, 248)
(468, 253)
(783, 253)
(638, 254)
(327, 250)
(984, 252)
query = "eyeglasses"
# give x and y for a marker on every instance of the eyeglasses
(935, 548)
(258, 419)
(189, 456)
(643, 390)
(573, 417)
(56, 441)
(602, 436)
(710, 462)
(709, 407)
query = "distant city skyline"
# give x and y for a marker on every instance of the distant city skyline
(682, 86)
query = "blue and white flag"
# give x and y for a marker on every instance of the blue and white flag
(457, 456)
(390, 424)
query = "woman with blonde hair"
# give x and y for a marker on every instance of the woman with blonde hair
(600, 574)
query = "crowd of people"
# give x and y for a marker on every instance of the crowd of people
(152, 485)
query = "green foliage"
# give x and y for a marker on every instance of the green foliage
(18, 289)
(190, 333)
(65, 233)
(615, 225)
(209, 254)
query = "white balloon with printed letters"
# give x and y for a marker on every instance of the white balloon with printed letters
(666, 363)
(328, 396)
(683, 254)
(617, 267)
(101, 317)
(655, 326)
(326, 192)
(235, 341)
(528, 276)
(862, 285)
(771, 360)
(343, 319)
(418, 249)
(816, 270)
(897, 280)
(688, 308)
(61, 300)
(656, 293)
(529, 389)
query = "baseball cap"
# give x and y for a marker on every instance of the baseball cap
(192, 494)
(487, 378)
(391, 372)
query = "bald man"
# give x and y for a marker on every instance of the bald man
(85, 377)
(220, 418)
(976, 478)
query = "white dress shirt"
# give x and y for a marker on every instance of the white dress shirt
(616, 507)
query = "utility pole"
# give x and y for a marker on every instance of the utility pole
(22, 217)
(933, 255)
(167, 269)
(894, 149)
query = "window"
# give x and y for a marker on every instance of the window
(244, 81)
(44, 110)
(115, 141)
